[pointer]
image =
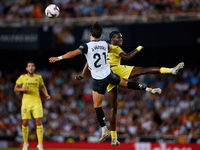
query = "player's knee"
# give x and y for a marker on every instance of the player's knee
(38, 122)
(25, 122)
(122, 83)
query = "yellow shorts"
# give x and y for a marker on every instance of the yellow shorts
(35, 109)
(123, 71)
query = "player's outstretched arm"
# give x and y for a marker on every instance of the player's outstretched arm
(44, 90)
(130, 54)
(85, 70)
(68, 55)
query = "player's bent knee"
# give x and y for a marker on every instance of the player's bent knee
(123, 83)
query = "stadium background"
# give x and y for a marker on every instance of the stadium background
(168, 38)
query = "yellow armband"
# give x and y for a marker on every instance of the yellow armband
(139, 48)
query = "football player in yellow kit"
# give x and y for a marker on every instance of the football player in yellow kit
(30, 84)
(126, 72)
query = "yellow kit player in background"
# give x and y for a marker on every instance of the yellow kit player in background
(30, 84)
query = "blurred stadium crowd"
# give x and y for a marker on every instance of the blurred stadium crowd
(14, 9)
(70, 111)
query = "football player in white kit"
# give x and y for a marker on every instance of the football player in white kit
(96, 54)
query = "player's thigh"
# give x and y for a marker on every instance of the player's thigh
(99, 89)
(136, 71)
(100, 86)
(123, 71)
(26, 112)
(37, 110)
(113, 78)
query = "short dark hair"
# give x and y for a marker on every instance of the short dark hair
(113, 34)
(96, 30)
(30, 61)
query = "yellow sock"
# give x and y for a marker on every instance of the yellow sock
(164, 70)
(39, 132)
(114, 135)
(25, 134)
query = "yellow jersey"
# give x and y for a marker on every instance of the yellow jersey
(34, 82)
(113, 56)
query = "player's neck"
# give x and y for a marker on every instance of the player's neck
(30, 74)
(113, 43)
(93, 38)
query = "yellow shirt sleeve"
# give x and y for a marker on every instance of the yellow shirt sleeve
(19, 81)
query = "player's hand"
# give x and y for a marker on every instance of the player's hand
(53, 59)
(25, 88)
(139, 48)
(78, 77)
(48, 97)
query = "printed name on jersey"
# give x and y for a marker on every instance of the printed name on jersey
(32, 84)
(98, 47)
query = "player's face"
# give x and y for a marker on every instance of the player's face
(30, 68)
(118, 40)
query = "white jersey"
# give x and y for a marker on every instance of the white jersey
(96, 53)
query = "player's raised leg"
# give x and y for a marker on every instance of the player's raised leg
(137, 86)
(136, 71)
